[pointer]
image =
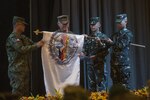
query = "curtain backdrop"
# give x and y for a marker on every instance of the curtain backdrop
(45, 12)
(44, 17)
(8, 9)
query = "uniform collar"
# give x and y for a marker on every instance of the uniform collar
(96, 33)
(17, 35)
(122, 30)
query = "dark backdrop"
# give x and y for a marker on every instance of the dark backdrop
(8, 9)
(43, 16)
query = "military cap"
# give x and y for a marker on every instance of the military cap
(18, 19)
(120, 17)
(64, 19)
(94, 20)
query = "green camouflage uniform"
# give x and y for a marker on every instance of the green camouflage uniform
(19, 48)
(95, 67)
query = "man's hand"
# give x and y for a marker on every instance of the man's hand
(98, 39)
(81, 54)
(85, 35)
(109, 40)
(93, 57)
(40, 43)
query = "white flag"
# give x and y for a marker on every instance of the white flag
(60, 60)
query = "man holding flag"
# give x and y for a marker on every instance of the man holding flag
(60, 59)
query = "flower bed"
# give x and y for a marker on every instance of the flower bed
(93, 96)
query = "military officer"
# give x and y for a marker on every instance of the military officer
(63, 24)
(18, 48)
(120, 66)
(96, 47)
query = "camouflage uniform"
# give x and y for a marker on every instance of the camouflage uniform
(18, 50)
(95, 66)
(120, 67)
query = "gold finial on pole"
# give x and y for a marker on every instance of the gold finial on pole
(37, 32)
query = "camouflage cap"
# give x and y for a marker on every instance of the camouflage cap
(94, 20)
(120, 18)
(17, 19)
(64, 19)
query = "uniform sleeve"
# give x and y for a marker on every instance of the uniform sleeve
(17, 44)
(123, 41)
(105, 43)
(84, 50)
(27, 39)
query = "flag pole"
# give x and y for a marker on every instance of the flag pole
(30, 15)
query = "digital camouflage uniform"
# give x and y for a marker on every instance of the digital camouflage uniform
(18, 49)
(95, 66)
(120, 66)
